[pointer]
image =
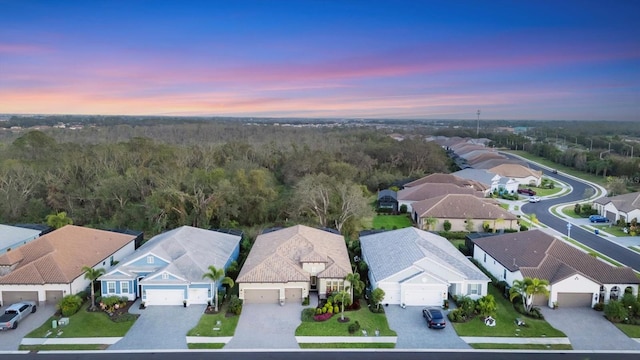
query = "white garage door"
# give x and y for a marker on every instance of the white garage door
(198, 296)
(164, 297)
(422, 297)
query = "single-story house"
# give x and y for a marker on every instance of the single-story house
(50, 267)
(11, 237)
(440, 178)
(522, 174)
(576, 278)
(168, 269)
(287, 264)
(388, 199)
(410, 195)
(624, 207)
(419, 268)
(493, 182)
(459, 209)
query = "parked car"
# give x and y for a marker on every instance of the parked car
(526, 192)
(554, 171)
(534, 199)
(434, 317)
(598, 219)
(15, 313)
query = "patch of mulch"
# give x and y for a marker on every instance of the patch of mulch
(346, 320)
(211, 310)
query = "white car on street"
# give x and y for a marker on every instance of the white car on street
(534, 199)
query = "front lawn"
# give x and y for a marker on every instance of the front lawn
(332, 327)
(389, 222)
(613, 230)
(505, 323)
(570, 212)
(632, 331)
(215, 346)
(85, 324)
(210, 321)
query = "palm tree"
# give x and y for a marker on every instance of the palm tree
(92, 275)
(216, 275)
(528, 288)
(356, 284)
(431, 222)
(344, 298)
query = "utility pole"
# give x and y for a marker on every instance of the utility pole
(478, 124)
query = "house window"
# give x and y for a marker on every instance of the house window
(149, 259)
(474, 289)
(124, 287)
(165, 276)
(504, 274)
(485, 257)
(111, 287)
(335, 285)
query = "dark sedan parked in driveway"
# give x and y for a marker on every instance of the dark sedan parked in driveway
(598, 219)
(434, 317)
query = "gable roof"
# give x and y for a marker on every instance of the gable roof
(390, 252)
(624, 202)
(484, 156)
(460, 206)
(13, 235)
(539, 255)
(188, 250)
(491, 163)
(480, 175)
(440, 178)
(515, 171)
(58, 257)
(427, 191)
(278, 255)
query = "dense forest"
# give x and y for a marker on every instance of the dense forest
(154, 177)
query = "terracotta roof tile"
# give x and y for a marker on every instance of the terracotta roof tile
(515, 171)
(460, 206)
(431, 190)
(439, 178)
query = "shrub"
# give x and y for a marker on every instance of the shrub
(577, 209)
(308, 314)
(598, 306)
(319, 311)
(305, 301)
(403, 209)
(336, 309)
(323, 317)
(70, 305)
(446, 225)
(124, 318)
(615, 311)
(523, 227)
(235, 305)
(111, 303)
(84, 295)
(354, 327)
(457, 315)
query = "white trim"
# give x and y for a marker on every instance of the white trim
(142, 256)
(121, 287)
(108, 287)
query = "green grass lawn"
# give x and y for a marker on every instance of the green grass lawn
(523, 346)
(389, 221)
(547, 192)
(63, 347)
(613, 230)
(215, 346)
(332, 327)
(504, 206)
(347, 345)
(209, 321)
(86, 324)
(505, 323)
(632, 331)
(571, 213)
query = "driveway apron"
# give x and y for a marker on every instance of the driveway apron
(588, 329)
(10, 339)
(413, 332)
(267, 326)
(161, 327)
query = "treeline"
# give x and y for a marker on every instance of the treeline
(217, 174)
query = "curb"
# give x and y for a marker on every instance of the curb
(208, 339)
(514, 340)
(346, 339)
(66, 341)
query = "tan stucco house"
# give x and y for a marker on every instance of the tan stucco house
(289, 264)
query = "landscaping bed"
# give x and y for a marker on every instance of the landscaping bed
(367, 320)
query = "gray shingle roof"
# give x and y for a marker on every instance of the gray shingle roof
(625, 202)
(390, 252)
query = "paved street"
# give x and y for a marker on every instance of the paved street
(160, 327)
(413, 332)
(10, 340)
(267, 326)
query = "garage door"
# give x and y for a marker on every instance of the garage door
(198, 296)
(293, 295)
(422, 297)
(254, 296)
(10, 297)
(574, 300)
(540, 300)
(53, 297)
(164, 297)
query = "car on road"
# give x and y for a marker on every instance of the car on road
(434, 318)
(598, 219)
(534, 199)
(526, 192)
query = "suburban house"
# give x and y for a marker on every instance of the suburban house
(419, 268)
(50, 267)
(388, 199)
(459, 209)
(491, 163)
(168, 269)
(410, 195)
(439, 178)
(286, 265)
(494, 182)
(475, 158)
(522, 174)
(576, 278)
(11, 237)
(624, 207)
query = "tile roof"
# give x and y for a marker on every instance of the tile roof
(491, 163)
(278, 255)
(515, 171)
(447, 179)
(58, 257)
(625, 202)
(428, 190)
(460, 206)
(390, 252)
(537, 254)
(477, 158)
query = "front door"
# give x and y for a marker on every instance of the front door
(314, 283)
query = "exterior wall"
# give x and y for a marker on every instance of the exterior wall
(406, 202)
(131, 295)
(494, 267)
(313, 268)
(391, 292)
(41, 289)
(322, 286)
(607, 291)
(460, 224)
(634, 214)
(271, 286)
(182, 287)
(574, 284)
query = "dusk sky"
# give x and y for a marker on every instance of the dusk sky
(560, 59)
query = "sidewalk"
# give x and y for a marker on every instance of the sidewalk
(515, 340)
(79, 341)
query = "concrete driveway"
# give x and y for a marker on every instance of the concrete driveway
(413, 332)
(160, 327)
(587, 329)
(10, 340)
(267, 326)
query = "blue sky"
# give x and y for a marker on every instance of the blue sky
(574, 60)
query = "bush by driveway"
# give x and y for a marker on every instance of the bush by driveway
(413, 332)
